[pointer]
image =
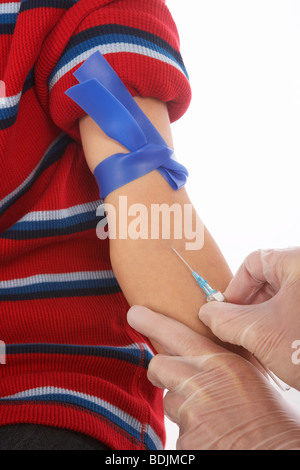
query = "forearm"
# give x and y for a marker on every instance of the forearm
(148, 271)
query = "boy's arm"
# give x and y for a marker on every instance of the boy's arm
(148, 271)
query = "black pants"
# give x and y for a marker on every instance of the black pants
(36, 437)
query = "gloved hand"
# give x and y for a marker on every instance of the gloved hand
(218, 399)
(262, 312)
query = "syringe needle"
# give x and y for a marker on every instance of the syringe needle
(182, 259)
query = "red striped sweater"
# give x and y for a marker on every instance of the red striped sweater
(72, 360)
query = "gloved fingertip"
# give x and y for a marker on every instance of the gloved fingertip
(207, 310)
(135, 313)
(204, 313)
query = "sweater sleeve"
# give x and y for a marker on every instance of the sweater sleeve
(137, 37)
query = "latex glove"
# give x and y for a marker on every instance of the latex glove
(266, 320)
(218, 399)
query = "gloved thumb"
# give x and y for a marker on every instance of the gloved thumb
(236, 324)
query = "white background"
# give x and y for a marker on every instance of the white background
(240, 137)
